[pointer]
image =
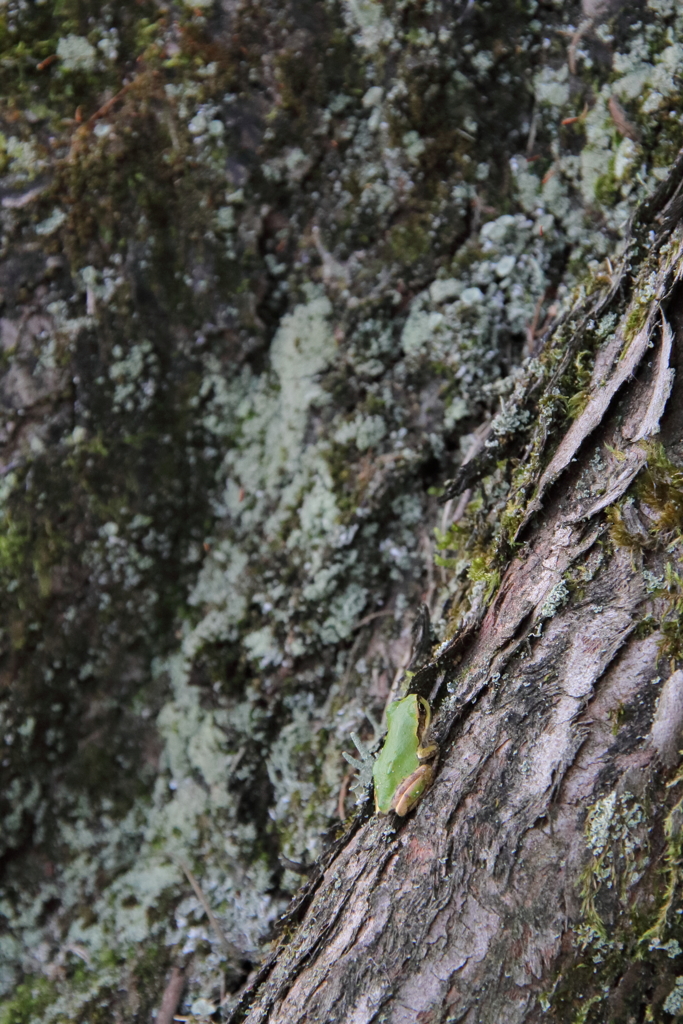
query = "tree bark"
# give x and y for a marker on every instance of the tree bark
(525, 869)
(267, 270)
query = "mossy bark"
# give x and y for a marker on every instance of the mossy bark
(317, 317)
(539, 880)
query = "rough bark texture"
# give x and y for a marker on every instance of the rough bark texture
(468, 911)
(317, 317)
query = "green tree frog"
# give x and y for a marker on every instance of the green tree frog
(400, 773)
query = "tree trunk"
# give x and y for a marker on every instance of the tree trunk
(271, 270)
(541, 869)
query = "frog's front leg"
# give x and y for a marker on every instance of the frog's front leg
(426, 752)
(412, 789)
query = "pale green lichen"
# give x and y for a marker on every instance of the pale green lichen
(598, 823)
(51, 223)
(556, 599)
(24, 158)
(76, 53)
(551, 86)
(367, 18)
(615, 832)
(673, 1003)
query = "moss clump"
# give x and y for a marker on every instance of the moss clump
(650, 519)
(30, 1000)
(620, 534)
(57, 59)
(577, 387)
(409, 241)
(607, 189)
(473, 550)
(636, 320)
(630, 935)
(660, 489)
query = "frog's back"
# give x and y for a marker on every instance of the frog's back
(398, 757)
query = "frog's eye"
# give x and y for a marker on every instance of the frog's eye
(423, 714)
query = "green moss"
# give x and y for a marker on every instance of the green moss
(472, 551)
(660, 487)
(619, 532)
(577, 385)
(409, 241)
(348, 488)
(481, 570)
(636, 320)
(671, 621)
(658, 492)
(149, 966)
(31, 998)
(607, 188)
(629, 937)
(14, 545)
(31, 72)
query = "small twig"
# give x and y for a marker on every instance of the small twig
(464, 11)
(231, 951)
(19, 202)
(79, 951)
(373, 615)
(531, 139)
(463, 502)
(531, 330)
(618, 115)
(479, 438)
(584, 27)
(446, 514)
(575, 120)
(334, 272)
(349, 665)
(46, 63)
(476, 216)
(171, 996)
(106, 107)
(235, 760)
(343, 793)
(296, 866)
